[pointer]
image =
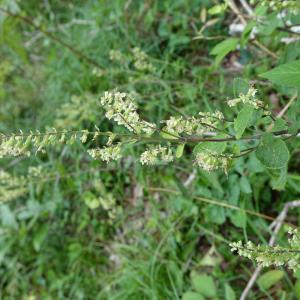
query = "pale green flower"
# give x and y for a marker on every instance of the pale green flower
(106, 153)
(122, 109)
(155, 155)
(211, 161)
(249, 99)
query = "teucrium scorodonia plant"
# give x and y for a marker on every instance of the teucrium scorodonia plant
(216, 141)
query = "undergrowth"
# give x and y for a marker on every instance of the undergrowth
(73, 227)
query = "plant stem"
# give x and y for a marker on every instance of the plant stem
(177, 139)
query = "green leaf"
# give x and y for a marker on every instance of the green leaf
(272, 152)
(286, 75)
(203, 284)
(280, 124)
(245, 185)
(215, 214)
(297, 289)
(218, 147)
(39, 237)
(223, 48)
(192, 296)
(270, 278)
(179, 150)
(240, 86)
(242, 120)
(7, 217)
(211, 259)
(279, 178)
(247, 31)
(294, 128)
(271, 22)
(168, 136)
(229, 293)
(91, 200)
(217, 9)
(239, 219)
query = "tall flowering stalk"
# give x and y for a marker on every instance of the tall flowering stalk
(272, 256)
(211, 137)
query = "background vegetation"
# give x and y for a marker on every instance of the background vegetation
(76, 228)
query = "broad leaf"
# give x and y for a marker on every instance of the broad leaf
(242, 120)
(192, 296)
(239, 219)
(229, 293)
(270, 278)
(286, 75)
(272, 152)
(218, 147)
(203, 284)
(245, 185)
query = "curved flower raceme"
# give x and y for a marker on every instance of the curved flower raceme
(267, 256)
(122, 109)
(162, 144)
(249, 99)
(193, 125)
(211, 161)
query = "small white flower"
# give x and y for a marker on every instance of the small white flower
(141, 60)
(211, 161)
(122, 109)
(107, 153)
(249, 99)
(155, 155)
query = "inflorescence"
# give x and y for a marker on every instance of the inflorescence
(121, 107)
(211, 161)
(279, 5)
(248, 99)
(156, 154)
(267, 256)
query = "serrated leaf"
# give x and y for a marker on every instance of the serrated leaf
(179, 150)
(203, 284)
(242, 120)
(286, 75)
(272, 152)
(270, 278)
